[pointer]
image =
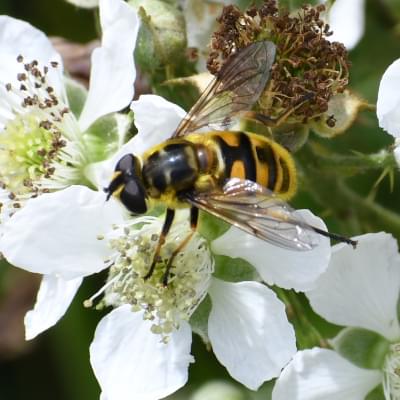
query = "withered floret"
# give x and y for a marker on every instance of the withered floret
(308, 69)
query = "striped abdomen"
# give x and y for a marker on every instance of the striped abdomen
(253, 157)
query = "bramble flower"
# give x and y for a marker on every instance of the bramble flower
(142, 347)
(46, 120)
(388, 105)
(360, 290)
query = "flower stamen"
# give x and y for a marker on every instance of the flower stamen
(391, 376)
(39, 150)
(166, 306)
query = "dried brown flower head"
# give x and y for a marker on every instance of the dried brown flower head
(308, 69)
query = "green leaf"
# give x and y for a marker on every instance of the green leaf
(234, 269)
(363, 348)
(199, 320)
(264, 392)
(105, 136)
(211, 227)
(76, 95)
(376, 394)
(393, 8)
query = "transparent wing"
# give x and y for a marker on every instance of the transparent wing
(256, 210)
(235, 89)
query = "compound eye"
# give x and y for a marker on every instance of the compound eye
(126, 163)
(133, 197)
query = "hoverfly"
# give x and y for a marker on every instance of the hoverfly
(240, 177)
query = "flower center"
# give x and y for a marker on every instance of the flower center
(27, 150)
(188, 281)
(391, 376)
(37, 148)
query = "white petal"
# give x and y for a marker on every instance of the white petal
(285, 268)
(151, 131)
(57, 233)
(361, 287)
(53, 299)
(130, 362)
(388, 103)
(347, 21)
(113, 70)
(321, 374)
(249, 331)
(156, 120)
(20, 38)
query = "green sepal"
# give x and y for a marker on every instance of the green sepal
(343, 109)
(105, 136)
(76, 95)
(211, 227)
(376, 394)
(199, 320)
(234, 269)
(162, 35)
(362, 347)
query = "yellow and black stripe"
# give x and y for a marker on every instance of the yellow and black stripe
(249, 156)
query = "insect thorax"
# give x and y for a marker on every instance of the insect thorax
(169, 169)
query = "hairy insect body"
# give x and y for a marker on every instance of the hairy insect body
(201, 162)
(241, 178)
(252, 157)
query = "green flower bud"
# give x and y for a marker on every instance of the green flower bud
(162, 36)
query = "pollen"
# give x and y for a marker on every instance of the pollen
(26, 153)
(165, 306)
(37, 152)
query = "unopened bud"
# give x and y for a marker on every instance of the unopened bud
(162, 35)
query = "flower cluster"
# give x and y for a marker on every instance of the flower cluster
(308, 70)
(60, 144)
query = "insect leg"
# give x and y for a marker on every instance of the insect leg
(194, 217)
(169, 217)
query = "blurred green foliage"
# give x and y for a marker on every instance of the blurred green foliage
(56, 365)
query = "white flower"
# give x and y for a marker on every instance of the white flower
(76, 234)
(388, 104)
(347, 21)
(42, 142)
(360, 289)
